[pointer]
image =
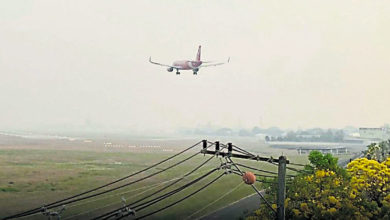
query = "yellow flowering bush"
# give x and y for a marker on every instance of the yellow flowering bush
(370, 183)
(360, 192)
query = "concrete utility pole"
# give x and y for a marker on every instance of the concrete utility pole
(281, 196)
(282, 163)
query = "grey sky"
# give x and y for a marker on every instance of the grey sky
(293, 63)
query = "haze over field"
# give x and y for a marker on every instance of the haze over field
(70, 65)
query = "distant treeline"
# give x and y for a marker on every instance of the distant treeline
(310, 135)
(274, 134)
(273, 131)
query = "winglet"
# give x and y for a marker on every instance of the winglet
(150, 59)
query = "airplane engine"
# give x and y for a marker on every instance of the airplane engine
(170, 69)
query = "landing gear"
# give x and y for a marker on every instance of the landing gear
(195, 71)
(177, 73)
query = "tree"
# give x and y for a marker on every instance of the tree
(256, 130)
(244, 132)
(323, 162)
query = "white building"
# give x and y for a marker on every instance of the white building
(374, 133)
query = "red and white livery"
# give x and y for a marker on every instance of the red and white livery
(193, 65)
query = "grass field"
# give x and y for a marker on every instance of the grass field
(32, 177)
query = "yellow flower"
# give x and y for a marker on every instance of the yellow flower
(332, 210)
(296, 212)
(274, 206)
(320, 173)
(286, 202)
(332, 199)
(304, 207)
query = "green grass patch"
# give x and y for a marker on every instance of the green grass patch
(8, 189)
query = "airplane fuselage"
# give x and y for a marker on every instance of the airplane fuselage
(186, 64)
(193, 65)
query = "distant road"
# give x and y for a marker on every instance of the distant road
(237, 209)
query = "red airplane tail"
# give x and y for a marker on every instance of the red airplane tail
(198, 54)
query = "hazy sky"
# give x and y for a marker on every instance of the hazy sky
(293, 64)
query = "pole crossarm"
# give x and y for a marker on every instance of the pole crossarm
(242, 156)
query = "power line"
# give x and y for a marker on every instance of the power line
(123, 193)
(150, 187)
(257, 191)
(257, 180)
(62, 201)
(242, 150)
(130, 205)
(127, 184)
(154, 193)
(187, 174)
(89, 211)
(212, 203)
(264, 171)
(252, 168)
(178, 180)
(296, 170)
(131, 208)
(297, 164)
(155, 200)
(180, 200)
(260, 175)
(152, 202)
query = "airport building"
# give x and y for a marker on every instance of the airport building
(375, 133)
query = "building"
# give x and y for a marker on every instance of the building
(375, 133)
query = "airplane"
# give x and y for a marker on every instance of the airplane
(193, 65)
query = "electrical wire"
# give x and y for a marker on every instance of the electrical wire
(260, 181)
(296, 170)
(62, 201)
(180, 200)
(124, 185)
(151, 187)
(189, 173)
(252, 168)
(178, 180)
(296, 164)
(154, 193)
(264, 171)
(260, 175)
(212, 203)
(155, 200)
(247, 152)
(89, 211)
(152, 202)
(257, 191)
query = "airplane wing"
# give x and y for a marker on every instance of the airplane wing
(215, 64)
(160, 64)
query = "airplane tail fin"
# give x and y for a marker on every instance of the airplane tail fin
(198, 54)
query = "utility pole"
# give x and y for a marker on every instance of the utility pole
(281, 196)
(282, 163)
